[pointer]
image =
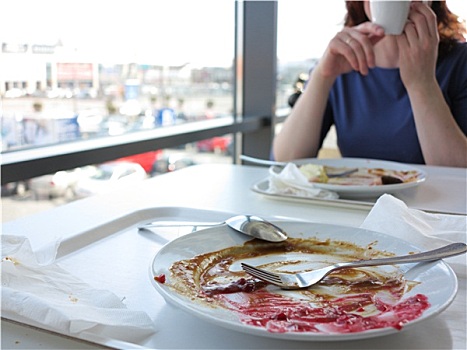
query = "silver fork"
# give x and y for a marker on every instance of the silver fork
(309, 278)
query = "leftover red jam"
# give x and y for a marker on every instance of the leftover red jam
(346, 301)
(349, 314)
(161, 278)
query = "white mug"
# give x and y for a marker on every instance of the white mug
(390, 14)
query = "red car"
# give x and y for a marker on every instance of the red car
(218, 144)
(146, 160)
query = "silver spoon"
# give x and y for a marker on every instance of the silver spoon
(250, 225)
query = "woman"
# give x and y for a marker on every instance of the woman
(401, 98)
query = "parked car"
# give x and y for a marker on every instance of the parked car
(146, 160)
(14, 93)
(90, 121)
(110, 176)
(15, 188)
(60, 184)
(114, 124)
(218, 145)
(169, 163)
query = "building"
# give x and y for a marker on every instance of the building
(32, 68)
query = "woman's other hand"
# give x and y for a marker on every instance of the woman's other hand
(351, 49)
(418, 47)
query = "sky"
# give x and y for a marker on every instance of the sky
(175, 31)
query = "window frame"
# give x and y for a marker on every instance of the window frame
(253, 120)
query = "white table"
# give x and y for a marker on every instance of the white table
(209, 192)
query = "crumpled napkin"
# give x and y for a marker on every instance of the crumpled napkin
(43, 294)
(290, 181)
(426, 230)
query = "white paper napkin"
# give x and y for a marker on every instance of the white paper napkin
(426, 230)
(44, 294)
(291, 181)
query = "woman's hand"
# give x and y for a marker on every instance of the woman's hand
(351, 49)
(418, 52)
(418, 47)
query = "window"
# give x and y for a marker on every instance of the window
(304, 30)
(116, 76)
(174, 57)
(92, 69)
(98, 115)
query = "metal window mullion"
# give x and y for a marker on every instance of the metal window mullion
(257, 65)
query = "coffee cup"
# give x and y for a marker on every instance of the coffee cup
(390, 14)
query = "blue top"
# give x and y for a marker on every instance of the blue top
(373, 115)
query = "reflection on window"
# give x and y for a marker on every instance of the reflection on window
(76, 70)
(95, 69)
(303, 31)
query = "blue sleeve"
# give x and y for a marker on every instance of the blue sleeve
(452, 78)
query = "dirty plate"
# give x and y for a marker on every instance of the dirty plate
(435, 280)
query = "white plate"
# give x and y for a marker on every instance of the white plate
(349, 191)
(262, 187)
(436, 280)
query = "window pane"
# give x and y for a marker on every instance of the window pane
(304, 30)
(82, 69)
(73, 70)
